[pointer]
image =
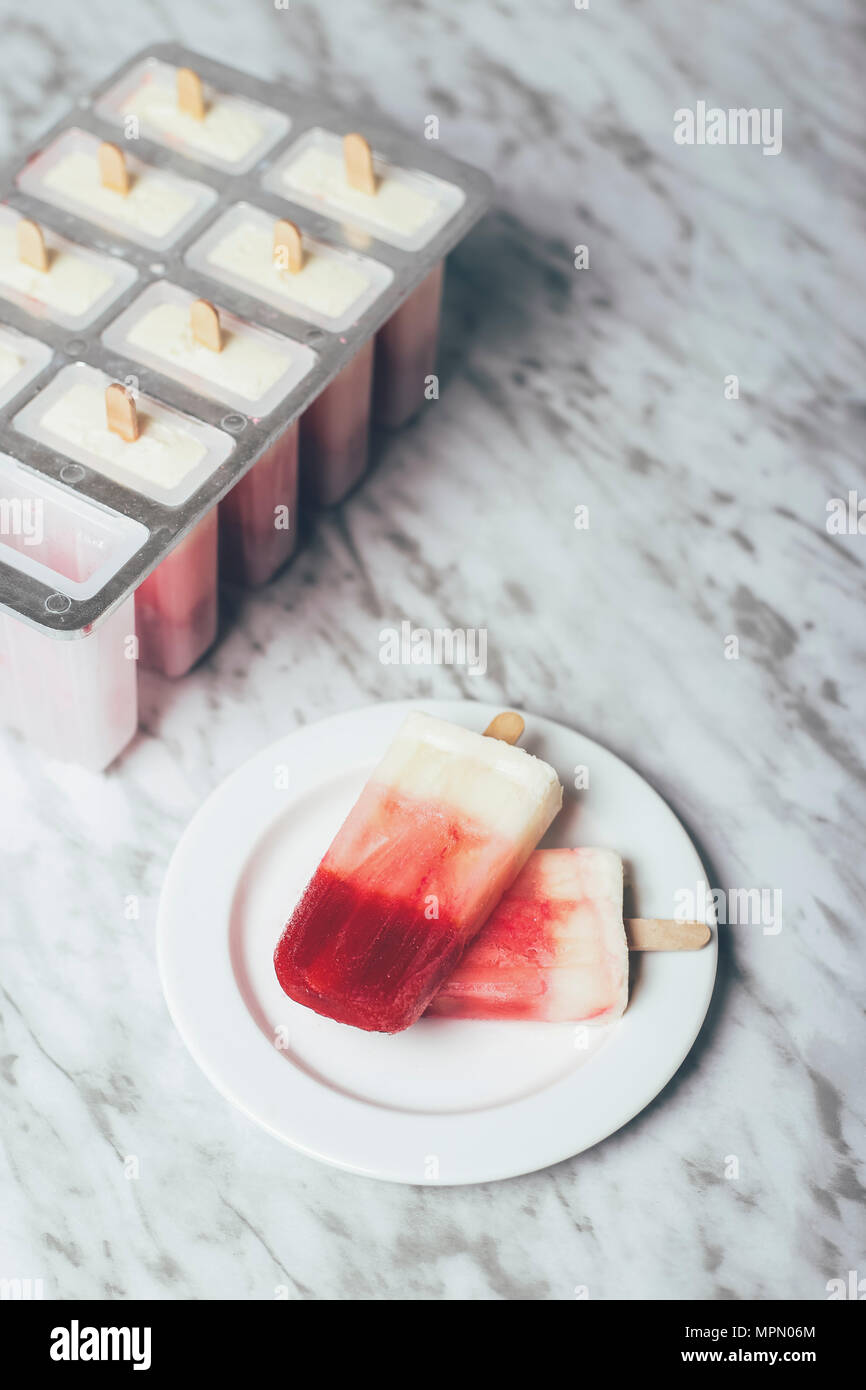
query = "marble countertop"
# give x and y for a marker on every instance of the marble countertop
(601, 387)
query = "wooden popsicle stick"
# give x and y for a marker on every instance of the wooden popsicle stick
(288, 246)
(657, 934)
(113, 172)
(205, 324)
(190, 93)
(507, 726)
(120, 413)
(358, 159)
(32, 250)
(642, 933)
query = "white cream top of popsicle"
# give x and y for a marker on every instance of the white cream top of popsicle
(154, 205)
(71, 284)
(228, 131)
(484, 779)
(397, 206)
(162, 456)
(245, 365)
(10, 364)
(325, 284)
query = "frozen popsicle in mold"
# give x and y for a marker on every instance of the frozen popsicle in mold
(325, 286)
(335, 432)
(330, 287)
(174, 106)
(554, 948)
(442, 828)
(100, 182)
(164, 455)
(75, 288)
(75, 697)
(406, 348)
(342, 178)
(249, 369)
(177, 606)
(407, 208)
(258, 519)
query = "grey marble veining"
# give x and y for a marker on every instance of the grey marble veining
(601, 387)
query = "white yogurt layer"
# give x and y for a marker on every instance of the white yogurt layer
(326, 284)
(500, 786)
(244, 366)
(228, 131)
(153, 205)
(162, 456)
(590, 978)
(396, 206)
(71, 284)
(10, 365)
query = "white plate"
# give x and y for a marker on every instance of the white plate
(446, 1101)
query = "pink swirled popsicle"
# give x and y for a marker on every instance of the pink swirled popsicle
(554, 949)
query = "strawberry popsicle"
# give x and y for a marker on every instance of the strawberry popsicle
(335, 432)
(249, 369)
(406, 353)
(258, 518)
(554, 949)
(404, 207)
(177, 606)
(442, 828)
(328, 287)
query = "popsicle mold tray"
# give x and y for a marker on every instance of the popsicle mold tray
(205, 196)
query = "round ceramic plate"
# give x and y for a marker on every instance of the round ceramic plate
(446, 1101)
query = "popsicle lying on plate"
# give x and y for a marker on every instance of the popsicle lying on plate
(440, 831)
(554, 949)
